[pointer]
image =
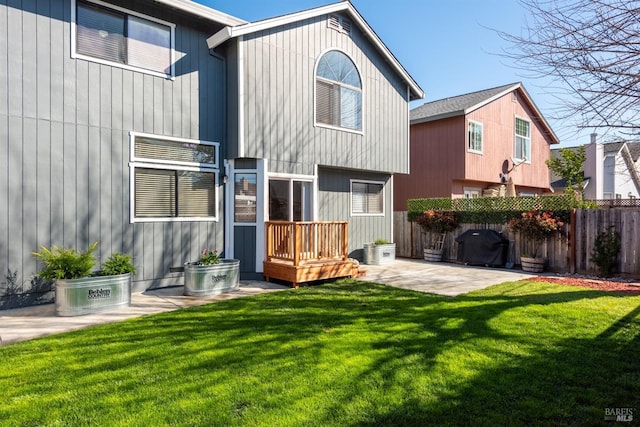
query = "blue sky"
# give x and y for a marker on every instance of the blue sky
(446, 45)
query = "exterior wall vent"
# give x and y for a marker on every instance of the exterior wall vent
(340, 24)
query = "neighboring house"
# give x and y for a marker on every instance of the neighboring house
(611, 170)
(162, 127)
(465, 145)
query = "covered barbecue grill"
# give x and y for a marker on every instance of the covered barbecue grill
(482, 247)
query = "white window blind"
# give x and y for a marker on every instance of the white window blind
(338, 92)
(367, 198)
(175, 151)
(155, 193)
(196, 194)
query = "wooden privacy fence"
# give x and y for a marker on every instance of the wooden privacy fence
(564, 252)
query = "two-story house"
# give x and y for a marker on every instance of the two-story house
(466, 144)
(160, 128)
(611, 170)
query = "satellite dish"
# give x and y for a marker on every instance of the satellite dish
(505, 167)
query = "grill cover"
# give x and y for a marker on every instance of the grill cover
(482, 247)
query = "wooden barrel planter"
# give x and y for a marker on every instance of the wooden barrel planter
(434, 255)
(532, 265)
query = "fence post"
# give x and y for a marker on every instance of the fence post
(572, 242)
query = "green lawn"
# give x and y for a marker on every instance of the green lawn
(343, 354)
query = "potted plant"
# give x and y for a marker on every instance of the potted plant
(211, 275)
(436, 224)
(81, 290)
(535, 226)
(379, 252)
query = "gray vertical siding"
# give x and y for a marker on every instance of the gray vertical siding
(279, 75)
(64, 135)
(334, 204)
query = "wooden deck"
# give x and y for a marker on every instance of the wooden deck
(299, 252)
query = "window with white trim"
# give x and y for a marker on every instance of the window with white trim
(475, 137)
(338, 92)
(472, 192)
(173, 179)
(367, 198)
(116, 36)
(523, 140)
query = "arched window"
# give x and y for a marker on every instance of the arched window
(338, 92)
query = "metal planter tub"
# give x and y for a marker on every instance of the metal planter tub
(379, 254)
(95, 294)
(212, 279)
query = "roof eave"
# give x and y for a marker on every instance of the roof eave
(437, 117)
(203, 11)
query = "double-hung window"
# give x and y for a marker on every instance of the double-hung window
(173, 179)
(338, 92)
(367, 198)
(112, 35)
(475, 137)
(523, 140)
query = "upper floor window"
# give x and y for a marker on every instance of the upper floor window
(475, 137)
(113, 35)
(523, 140)
(338, 92)
(173, 179)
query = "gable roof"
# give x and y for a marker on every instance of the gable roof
(465, 104)
(615, 147)
(346, 7)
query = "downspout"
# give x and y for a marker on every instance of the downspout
(240, 46)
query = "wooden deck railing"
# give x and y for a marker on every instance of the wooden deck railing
(299, 242)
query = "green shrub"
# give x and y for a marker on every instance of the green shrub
(497, 210)
(381, 242)
(61, 263)
(117, 263)
(605, 251)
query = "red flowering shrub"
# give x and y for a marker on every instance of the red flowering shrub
(438, 221)
(535, 225)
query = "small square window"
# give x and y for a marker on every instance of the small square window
(367, 198)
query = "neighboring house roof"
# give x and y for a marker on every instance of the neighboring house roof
(615, 147)
(465, 104)
(561, 183)
(202, 11)
(239, 30)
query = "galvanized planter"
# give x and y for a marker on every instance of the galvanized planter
(95, 294)
(379, 254)
(212, 279)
